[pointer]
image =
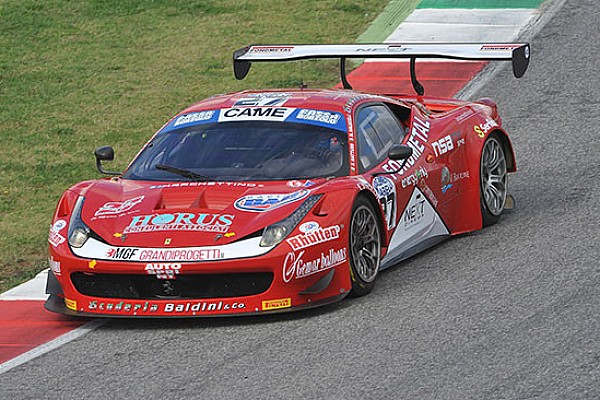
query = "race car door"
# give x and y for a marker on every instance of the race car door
(404, 192)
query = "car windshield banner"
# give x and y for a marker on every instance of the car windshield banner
(324, 118)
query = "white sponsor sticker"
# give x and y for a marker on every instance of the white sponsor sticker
(255, 113)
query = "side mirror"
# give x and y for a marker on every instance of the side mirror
(397, 152)
(104, 153)
(400, 152)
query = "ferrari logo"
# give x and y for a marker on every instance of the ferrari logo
(167, 241)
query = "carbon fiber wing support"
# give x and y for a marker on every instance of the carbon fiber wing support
(518, 53)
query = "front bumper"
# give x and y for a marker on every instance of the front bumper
(57, 304)
(85, 287)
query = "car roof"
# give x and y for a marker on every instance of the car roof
(321, 99)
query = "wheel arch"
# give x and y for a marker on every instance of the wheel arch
(370, 196)
(511, 162)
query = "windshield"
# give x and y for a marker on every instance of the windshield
(237, 151)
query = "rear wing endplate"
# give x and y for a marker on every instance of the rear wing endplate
(518, 53)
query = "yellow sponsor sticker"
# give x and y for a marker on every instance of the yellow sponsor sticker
(275, 304)
(71, 304)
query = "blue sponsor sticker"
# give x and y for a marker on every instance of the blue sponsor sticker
(327, 119)
(195, 118)
(267, 202)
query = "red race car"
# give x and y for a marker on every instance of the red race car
(267, 201)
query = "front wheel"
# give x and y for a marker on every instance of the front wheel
(365, 247)
(493, 180)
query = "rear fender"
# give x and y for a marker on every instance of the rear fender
(470, 210)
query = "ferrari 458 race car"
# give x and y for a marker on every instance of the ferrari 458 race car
(267, 201)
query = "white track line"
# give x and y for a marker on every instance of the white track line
(33, 289)
(462, 25)
(547, 11)
(51, 345)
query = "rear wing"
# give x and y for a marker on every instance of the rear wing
(515, 52)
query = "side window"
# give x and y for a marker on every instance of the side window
(377, 130)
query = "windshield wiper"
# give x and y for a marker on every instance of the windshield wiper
(183, 172)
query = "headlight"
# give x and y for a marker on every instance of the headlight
(78, 231)
(274, 234)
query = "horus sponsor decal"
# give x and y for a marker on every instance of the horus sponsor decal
(54, 237)
(180, 221)
(295, 266)
(314, 236)
(201, 306)
(183, 254)
(163, 270)
(276, 304)
(71, 304)
(255, 113)
(263, 100)
(266, 202)
(419, 134)
(386, 193)
(54, 266)
(121, 306)
(194, 117)
(483, 128)
(118, 207)
(443, 145)
(413, 178)
(271, 49)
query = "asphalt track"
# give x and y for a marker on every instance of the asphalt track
(510, 312)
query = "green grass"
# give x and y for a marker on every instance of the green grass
(75, 75)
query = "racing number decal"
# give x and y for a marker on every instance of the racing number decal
(386, 192)
(389, 208)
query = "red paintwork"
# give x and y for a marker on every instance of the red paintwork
(458, 208)
(439, 78)
(24, 326)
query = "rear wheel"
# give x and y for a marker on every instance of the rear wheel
(365, 247)
(493, 180)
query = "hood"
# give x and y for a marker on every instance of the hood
(179, 214)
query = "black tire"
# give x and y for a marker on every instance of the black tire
(493, 180)
(364, 247)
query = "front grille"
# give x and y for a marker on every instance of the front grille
(191, 286)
